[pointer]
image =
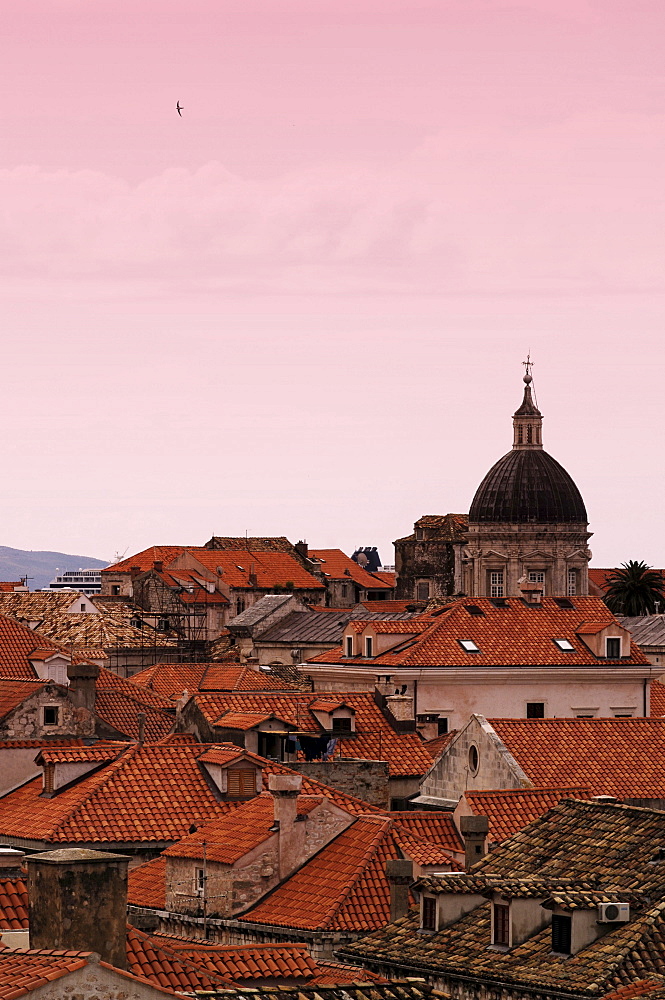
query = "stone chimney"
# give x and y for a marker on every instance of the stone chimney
(134, 571)
(400, 876)
(77, 900)
(303, 549)
(82, 684)
(400, 707)
(158, 566)
(10, 862)
(285, 789)
(474, 830)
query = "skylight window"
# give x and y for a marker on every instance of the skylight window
(473, 609)
(564, 645)
(469, 646)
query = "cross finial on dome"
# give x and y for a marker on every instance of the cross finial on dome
(528, 365)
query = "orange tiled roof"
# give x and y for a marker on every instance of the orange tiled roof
(605, 755)
(598, 579)
(387, 576)
(270, 568)
(433, 826)
(13, 693)
(640, 988)
(422, 852)
(343, 887)
(171, 679)
(191, 587)
(22, 971)
(391, 607)
(374, 738)
(228, 838)
(7, 586)
(147, 794)
(249, 962)
(657, 694)
(510, 810)
(338, 566)
(13, 904)
(146, 884)
(439, 743)
(119, 701)
(515, 635)
(144, 560)
(19, 644)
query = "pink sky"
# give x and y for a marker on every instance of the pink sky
(301, 308)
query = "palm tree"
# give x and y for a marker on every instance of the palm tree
(634, 589)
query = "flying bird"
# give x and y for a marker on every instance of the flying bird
(179, 108)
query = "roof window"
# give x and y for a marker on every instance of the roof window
(564, 602)
(500, 602)
(468, 645)
(473, 609)
(564, 645)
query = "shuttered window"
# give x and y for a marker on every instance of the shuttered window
(241, 782)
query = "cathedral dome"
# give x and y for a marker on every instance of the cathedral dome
(528, 486)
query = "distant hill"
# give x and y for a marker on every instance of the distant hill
(40, 567)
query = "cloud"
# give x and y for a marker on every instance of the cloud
(567, 205)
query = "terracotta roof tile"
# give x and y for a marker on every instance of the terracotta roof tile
(605, 755)
(170, 680)
(517, 634)
(432, 826)
(146, 884)
(511, 810)
(14, 692)
(338, 566)
(657, 696)
(270, 568)
(13, 904)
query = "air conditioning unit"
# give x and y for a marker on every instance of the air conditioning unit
(613, 913)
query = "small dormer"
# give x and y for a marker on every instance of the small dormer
(235, 775)
(581, 917)
(334, 716)
(66, 765)
(445, 897)
(606, 640)
(515, 918)
(82, 605)
(50, 665)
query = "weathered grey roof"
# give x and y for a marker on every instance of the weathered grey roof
(646, 630)
(261, 609)
(320, 626)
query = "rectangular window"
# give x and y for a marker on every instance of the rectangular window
(422, 591)
(51, 715)
(536, 576)
(240, 606)
(349, 645)
(561, 936)
(572, 582)
(199, 881)
(369, 646)
(241, 782)
(501, 924)
(612, 648)
(468, 645)
(442, 726)
(535, 710)
(115, 591)
(345, 590)
(496, 583)
(341, 725)
(564, 645)
(429, 913)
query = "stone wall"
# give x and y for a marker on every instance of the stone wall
(453, 773)
(430, 559)
(364, 779)
(26, 721)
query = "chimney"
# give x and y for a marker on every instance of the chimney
(10, 862)
(285, 789)
(82, 684)
(77, 901)
(134, 571)
(474, 830)
(303, 549)
(158, 566)
(400, 876)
